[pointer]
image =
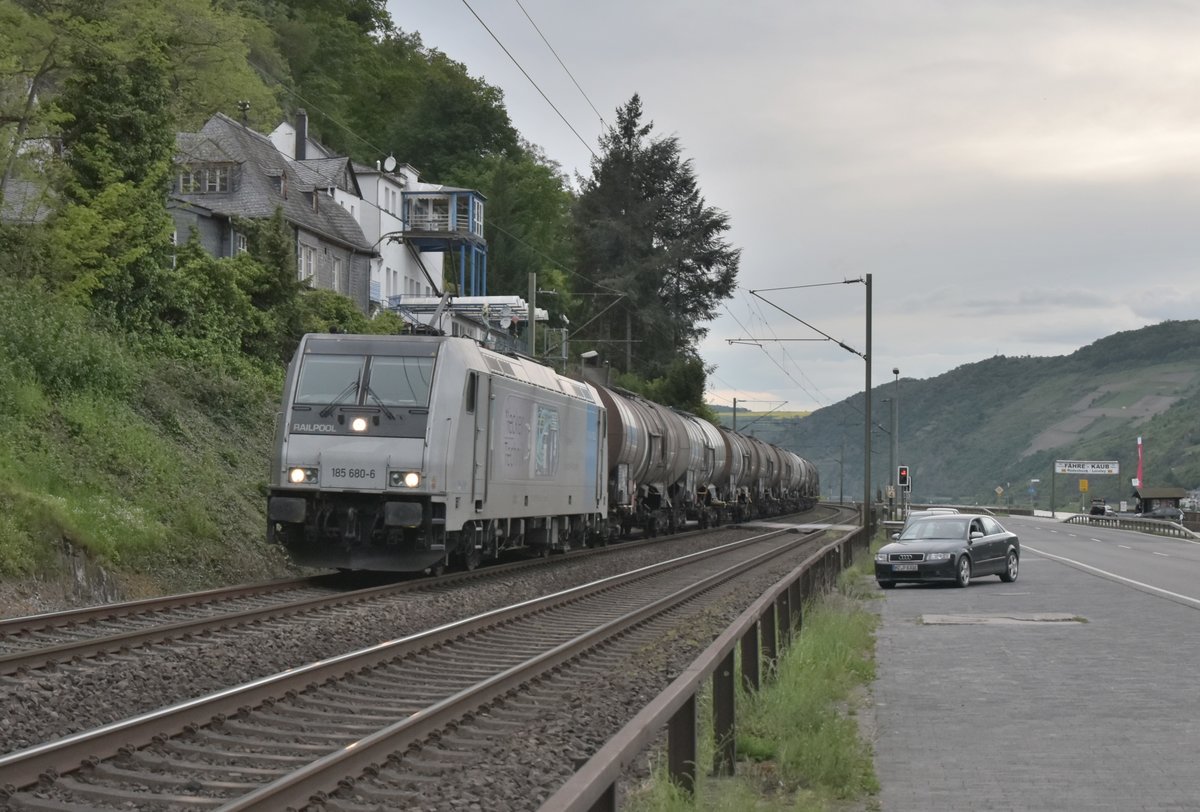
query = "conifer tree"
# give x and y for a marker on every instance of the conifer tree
(643, 230)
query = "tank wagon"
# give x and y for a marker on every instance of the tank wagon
(412, 453)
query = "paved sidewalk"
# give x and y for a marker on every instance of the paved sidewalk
(1037, 714)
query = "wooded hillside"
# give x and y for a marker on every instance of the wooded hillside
(1003, 421)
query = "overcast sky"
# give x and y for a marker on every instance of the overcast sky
(1018, 177)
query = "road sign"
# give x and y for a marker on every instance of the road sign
(999, 491)
(1083, 486)
(1087, 467)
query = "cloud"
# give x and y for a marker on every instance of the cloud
(1018, 177)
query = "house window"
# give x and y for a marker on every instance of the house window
(216, 179)
(174, 245)
(195, 180)
(307, 263)
(337, 274)
(189, 182)
(239, 243)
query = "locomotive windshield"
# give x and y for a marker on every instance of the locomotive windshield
(401, 381)
(328, 380)
(325, 379)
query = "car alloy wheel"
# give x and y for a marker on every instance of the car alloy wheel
(964, 572)
(1010, 572)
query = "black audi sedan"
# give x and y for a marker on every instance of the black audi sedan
(949, 548)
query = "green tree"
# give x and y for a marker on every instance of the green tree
(114, 232)
(370, 96)
(682, 387)
(29, 64)
(643, 230)
(527, 223)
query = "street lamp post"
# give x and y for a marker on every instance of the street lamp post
(896, 431)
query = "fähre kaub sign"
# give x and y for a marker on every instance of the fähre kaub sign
(1088, 467)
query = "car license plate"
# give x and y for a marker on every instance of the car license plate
(904, 567)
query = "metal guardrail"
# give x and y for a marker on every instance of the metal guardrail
(593, 788)
(1158, 527)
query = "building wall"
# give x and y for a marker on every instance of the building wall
(210, 231)
(394, 272)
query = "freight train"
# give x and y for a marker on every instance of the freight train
(419, 452)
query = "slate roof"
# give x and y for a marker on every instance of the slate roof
(259, 192)
(334, 171)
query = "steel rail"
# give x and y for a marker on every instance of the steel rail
(25, 767)
(296, 789)
(17, 661)
(69, 617)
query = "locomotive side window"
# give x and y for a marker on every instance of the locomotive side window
(326, 379)
(401, 380)
(471, 393)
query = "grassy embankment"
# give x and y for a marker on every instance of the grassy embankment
(144, 462)
(800, 743)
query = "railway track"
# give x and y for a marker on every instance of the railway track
(280, 741)
(38, 641)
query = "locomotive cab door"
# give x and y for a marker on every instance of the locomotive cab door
(479, 405)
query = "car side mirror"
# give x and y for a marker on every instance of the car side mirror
(975, 534)
(895, 536)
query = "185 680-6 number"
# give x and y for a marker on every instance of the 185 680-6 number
(353, 473)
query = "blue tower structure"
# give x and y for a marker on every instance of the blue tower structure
(450, 220)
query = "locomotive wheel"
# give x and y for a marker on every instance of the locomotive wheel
(471, 560)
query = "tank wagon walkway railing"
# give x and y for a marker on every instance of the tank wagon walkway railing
(759, 633)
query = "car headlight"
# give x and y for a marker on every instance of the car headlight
(302, 476)
(408, 479)
(881, 557)
(938, 557)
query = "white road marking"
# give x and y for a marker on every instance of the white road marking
(1164, 555)
(1124, 546)
(1099, 540)
(1154, 589)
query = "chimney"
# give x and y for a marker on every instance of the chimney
(301, 134)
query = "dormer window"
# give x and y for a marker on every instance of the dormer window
(205, 179)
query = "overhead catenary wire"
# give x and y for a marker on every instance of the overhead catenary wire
(560, 62)
(530, 78)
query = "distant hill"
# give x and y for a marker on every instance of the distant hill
(1002, 422)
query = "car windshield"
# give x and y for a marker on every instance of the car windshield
(950, 527)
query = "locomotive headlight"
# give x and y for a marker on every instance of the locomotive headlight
(302, 476)
(409, 479)
(358, 424)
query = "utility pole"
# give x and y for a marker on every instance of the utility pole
(867, 503)
(532, 320)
